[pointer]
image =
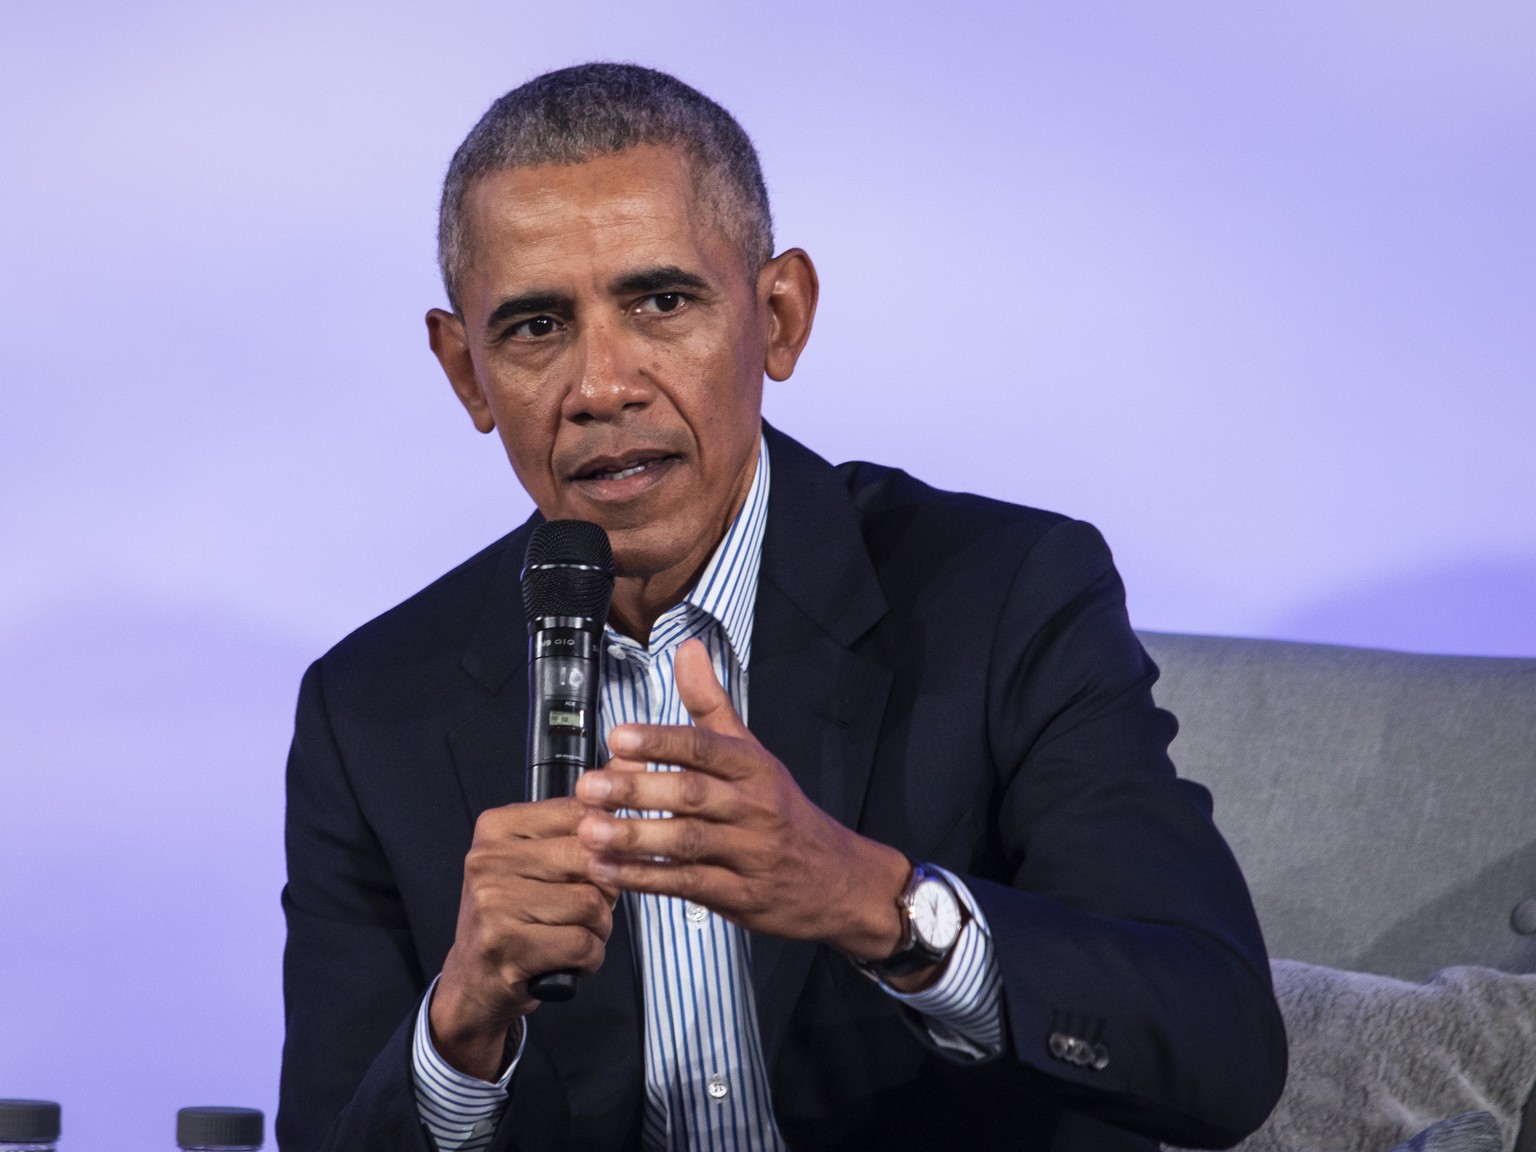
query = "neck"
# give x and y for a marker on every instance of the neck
(640, 601)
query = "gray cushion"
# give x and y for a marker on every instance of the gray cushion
(1375, 1061)
(1382, 805)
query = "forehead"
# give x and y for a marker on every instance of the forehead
(566, 222)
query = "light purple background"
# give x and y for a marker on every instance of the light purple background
(1248, 285)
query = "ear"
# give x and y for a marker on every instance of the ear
(445, 332)
(787, 290)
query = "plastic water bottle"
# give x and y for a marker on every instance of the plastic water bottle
(219, 1129)
(29, 1126)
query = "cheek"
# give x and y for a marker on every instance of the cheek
(524, 462)
(727, 376)
(527, 422)
(524, 393)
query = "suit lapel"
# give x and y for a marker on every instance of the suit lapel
(488, 747)
(592, 1045)
(813, 702)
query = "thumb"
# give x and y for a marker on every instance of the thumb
(702, 694)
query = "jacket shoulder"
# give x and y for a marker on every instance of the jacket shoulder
(428, 627)
(909, 524)
(879, 488)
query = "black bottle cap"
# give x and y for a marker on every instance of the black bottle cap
(219, 1128)
(29, 1121)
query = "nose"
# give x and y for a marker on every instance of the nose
(611, 380)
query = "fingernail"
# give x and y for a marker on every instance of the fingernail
(623, 740)
(603, 869)
(600, 831)
(595, 787)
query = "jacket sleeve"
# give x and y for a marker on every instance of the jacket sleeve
(1134, 972)
(351, 982)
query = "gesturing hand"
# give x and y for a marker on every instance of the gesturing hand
(743, 841)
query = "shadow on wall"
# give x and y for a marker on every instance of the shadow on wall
(1474, 608)
(141, 762)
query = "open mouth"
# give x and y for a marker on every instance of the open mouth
(619, 473)
(607, 470)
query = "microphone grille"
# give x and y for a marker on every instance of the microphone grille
(569, 542)
(568, 570)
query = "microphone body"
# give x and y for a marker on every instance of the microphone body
(563, 662)
(567, 585)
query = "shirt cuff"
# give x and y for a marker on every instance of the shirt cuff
(459, 1111)
(961, 1010)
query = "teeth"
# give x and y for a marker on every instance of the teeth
(624, 473)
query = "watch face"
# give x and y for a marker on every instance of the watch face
(936, 915)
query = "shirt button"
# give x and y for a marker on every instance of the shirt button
(718, 1089)
(617, 652)
(696, 913)
(483, 1128)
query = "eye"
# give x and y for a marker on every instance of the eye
(661, 302)
(535, 328)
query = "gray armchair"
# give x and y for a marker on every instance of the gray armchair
(1383, 807)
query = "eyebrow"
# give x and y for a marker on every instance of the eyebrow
(533, 302)
(659, 279)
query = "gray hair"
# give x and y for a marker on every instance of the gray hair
(574, 114)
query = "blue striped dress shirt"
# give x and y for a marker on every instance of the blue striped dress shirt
(706, 1089)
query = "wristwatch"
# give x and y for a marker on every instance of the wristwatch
(931, 916)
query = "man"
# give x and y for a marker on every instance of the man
(926, 877)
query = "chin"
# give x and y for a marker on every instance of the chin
(646, 549)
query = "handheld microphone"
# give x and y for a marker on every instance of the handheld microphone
(567, 584)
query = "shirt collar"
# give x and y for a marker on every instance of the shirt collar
(727, 590)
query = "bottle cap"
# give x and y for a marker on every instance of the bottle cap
(219, 1128)
(29, 1121)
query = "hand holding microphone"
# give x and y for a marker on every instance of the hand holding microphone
(530, 917)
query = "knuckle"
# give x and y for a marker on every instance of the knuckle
(487, 828)
(690, 840)
(481, 903)
(760, 855)
(626, 835)
(590, 952)
(571, 858)
(593, 907)
(623, 790)
(752, 899)
(693, 792)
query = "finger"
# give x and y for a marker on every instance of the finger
(702, 693)
(707, 884)
(679, 841)
(494, 863)
(687, 746)
(581, 904)
(684, 793)
(555, 949)
(538, 820)
(622, 764)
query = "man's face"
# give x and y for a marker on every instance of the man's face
(614, 338)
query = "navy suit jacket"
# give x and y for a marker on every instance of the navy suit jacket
(949, 675)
